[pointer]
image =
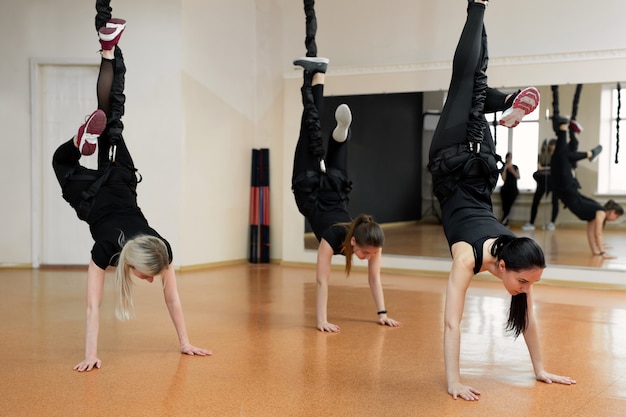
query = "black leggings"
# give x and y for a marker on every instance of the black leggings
(311, 186)
(566, 186)
(309, 149)
(462, 119)
(544, 187)
(508, 198)
(73, 177)
(573, 154)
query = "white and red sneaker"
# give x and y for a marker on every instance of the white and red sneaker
(110, 34)
(116, 23)
(525, 103)
(575, 126)
(88, 133)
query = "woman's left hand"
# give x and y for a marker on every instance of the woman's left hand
(387, 321)
(191, 350)
(548, 378)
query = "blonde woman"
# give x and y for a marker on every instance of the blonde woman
(106, 199)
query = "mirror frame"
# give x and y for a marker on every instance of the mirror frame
(560, 69)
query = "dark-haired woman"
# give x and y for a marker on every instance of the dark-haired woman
(544, 186)
(567, 189)
(509, 190)
(321, 187)
(464, 170)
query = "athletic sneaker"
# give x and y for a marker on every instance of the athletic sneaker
(575, 126)
(528, 227)
(88, 133)
(525, 103)
(551, 226)
(343, 116)
(111, 33)
(595, 152)
(312, 64)
(116, 23)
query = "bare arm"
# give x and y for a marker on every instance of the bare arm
(459, 279)
(95, 289)
(324, 256)
(376, 287)
(531, 338)
(174, 306)
(594, 233)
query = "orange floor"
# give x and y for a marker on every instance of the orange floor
(269, 360)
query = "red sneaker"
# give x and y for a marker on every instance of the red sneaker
(110, 34)
(88, 133)
(575, 126)
(525, 103)
(115, 23)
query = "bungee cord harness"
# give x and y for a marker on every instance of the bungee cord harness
(617, 120)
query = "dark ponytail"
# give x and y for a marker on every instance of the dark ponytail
(518, 254)
(613, 205)
(518, 315)
(366, 232)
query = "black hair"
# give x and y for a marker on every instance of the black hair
(613, 205)
(518, 254)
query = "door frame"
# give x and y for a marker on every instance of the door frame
(36, 147)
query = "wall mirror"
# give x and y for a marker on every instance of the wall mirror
(388, 157)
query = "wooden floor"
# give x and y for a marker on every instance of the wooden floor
(565, 246)
(269, 360)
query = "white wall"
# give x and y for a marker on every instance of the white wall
(209, 80)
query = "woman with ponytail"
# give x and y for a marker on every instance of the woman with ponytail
(106, 199)
(567, 189)
(464, 170)
(321, 187)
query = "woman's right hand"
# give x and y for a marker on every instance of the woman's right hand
(88, 364)
(328, 327)
(464, 391)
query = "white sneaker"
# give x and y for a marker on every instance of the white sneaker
(551, 226)
(528, 227)
(343, 116)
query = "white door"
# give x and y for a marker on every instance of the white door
(65, 95)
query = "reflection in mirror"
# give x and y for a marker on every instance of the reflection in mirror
(417, 231)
